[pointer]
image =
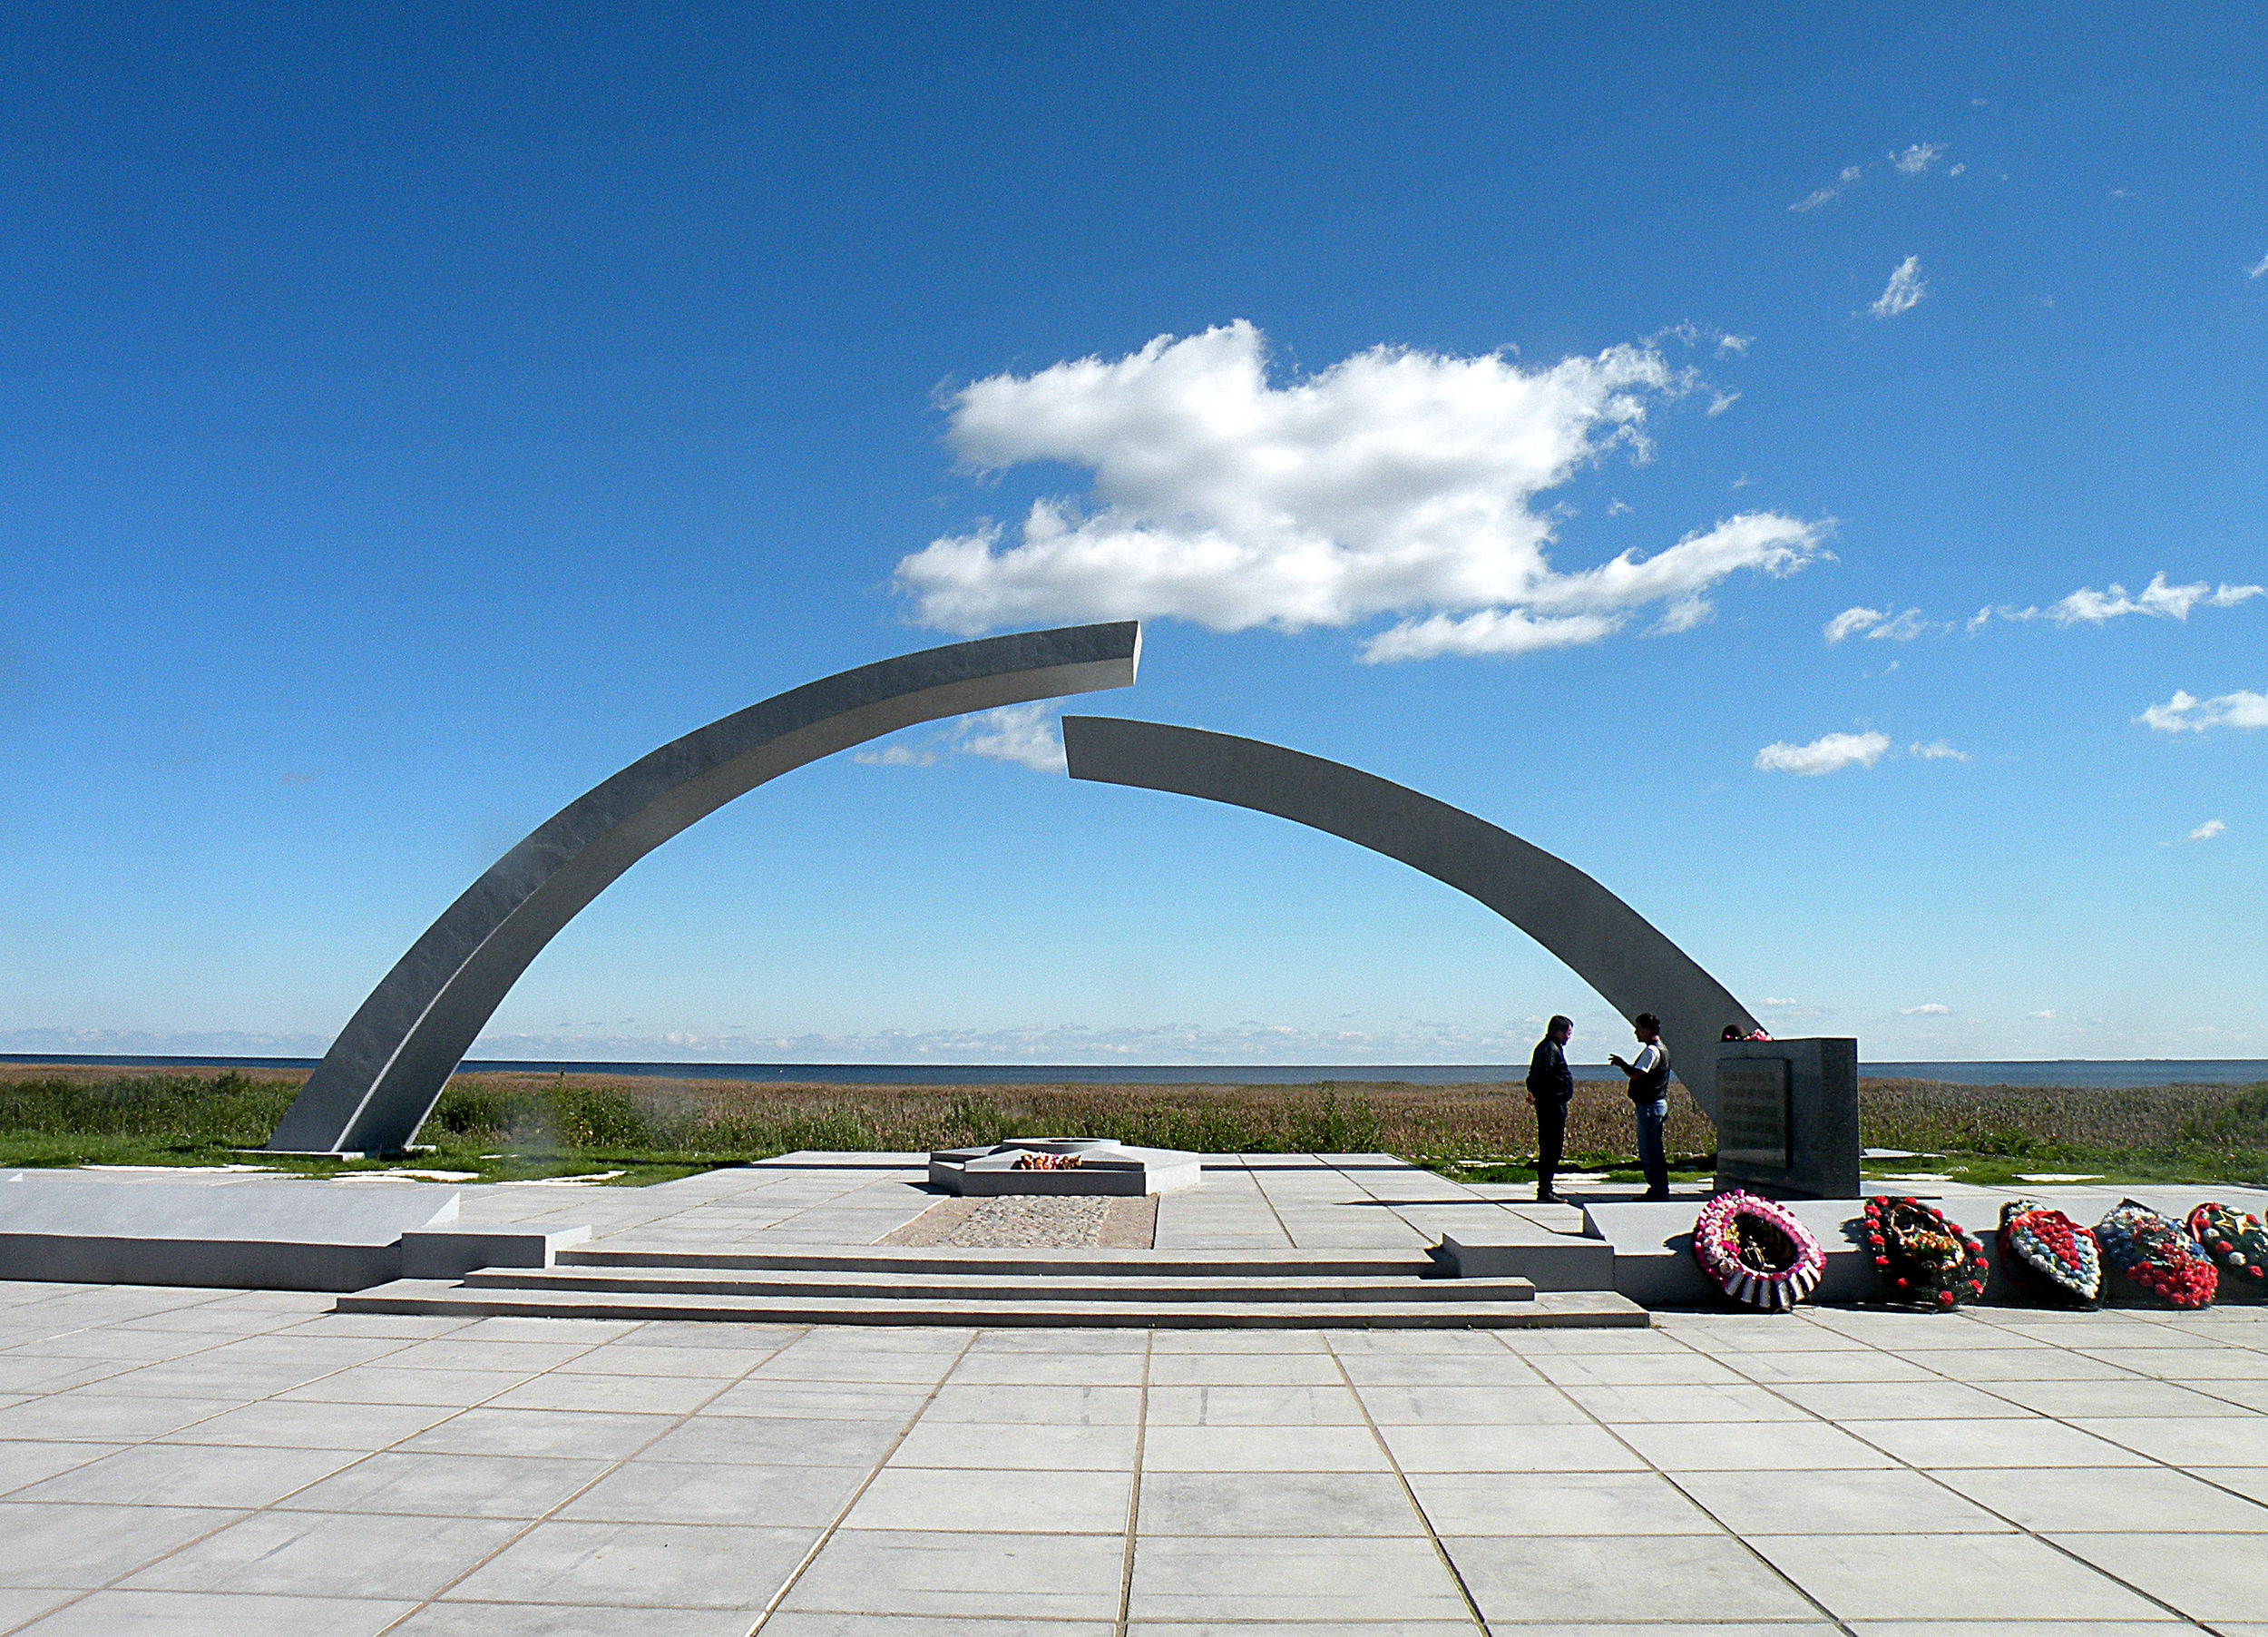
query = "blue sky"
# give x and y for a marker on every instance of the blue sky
(414, 414)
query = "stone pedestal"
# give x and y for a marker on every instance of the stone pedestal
(1104, 1167)
(1787, 1117)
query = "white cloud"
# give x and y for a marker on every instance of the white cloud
(2207, 830)
(1937, 749)
(1957, 170)
(1903, 629)
(1787, 1000)
(2043, 1017)
(1722, 402)
(1854, 619)
(1024, 734)
(2158, 600)
(1733, 343)
(895, 756)
(1931, 1010)
(2258, 269)
(1903, 292)
(1396, 482)
(1617, 508)
(1828, 195)
(1827, 754)
(1917, 159)
(2186, 710)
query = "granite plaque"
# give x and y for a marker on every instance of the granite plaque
(1754, 1121)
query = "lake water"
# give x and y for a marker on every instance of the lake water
(2082, 1072)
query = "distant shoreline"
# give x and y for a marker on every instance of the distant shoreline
(2106, 1073)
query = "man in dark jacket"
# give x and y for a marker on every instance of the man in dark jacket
(1550, 1087)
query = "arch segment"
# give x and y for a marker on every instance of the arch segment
(387, 1069)
(1609, 946)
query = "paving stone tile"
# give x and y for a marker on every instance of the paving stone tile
(1973, 1577)
(1635, 1370)
(2166, 1625)
(2187, 1440)
(921, 1369)
(1056, 1404)
(748, 1441)
(636, 1357)
(1280, 1578)
(1542, 1448)
(2149, 1500)
(163, 1475)
(2251, 1481)
(312, 1553)
(2036, 1441)
(555, 1619)
(714, 1492)
(1243, 1369)
(934, 1625)
(453, 1352)
(1238, 1341)
(1027, 1365)
(1025, 1447)
(1043, 1577)
(1893, 1500)
(1752, 1446)
(76, 1415)
(1519, 1406)
(20, 1604)
(1327, 1405)
(90, 1545)
(816, 1401)
(2116, 1399)
(2185, 1364)
(1685, 1403)
(275, 1423)
(205, 1613)
(1093, 1343)
(994, 1502)
(540, 1432)
(641, 1395)
(697, 1566)
(1325, 1505)
(438, 1486)
(1862, 1364)
(27, 1461)
(1497, 1369)
(1606, 1580)
(1262, 1449)
(380, 1384)
(548, 1332)
(2036, 1364)
(1568, 1503)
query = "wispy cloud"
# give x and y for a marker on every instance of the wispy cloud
(2185, 712)
(1917, 160)
(1903, 292)
(1931, 1009)
(1722, 402)
(2207, 830)
(1024, 734)
(1396, 482)
(1877, 625)
(1937, 749)
(1830, 753)
(895, 756)
(2258, 270)
(1833, 192)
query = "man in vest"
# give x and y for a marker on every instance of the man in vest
(1649, 1099)
(1550, 1087)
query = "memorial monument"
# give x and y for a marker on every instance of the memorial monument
(1787, 1117)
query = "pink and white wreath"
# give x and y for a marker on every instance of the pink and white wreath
(1754, 1250)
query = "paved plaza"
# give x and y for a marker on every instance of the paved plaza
(180, 1460)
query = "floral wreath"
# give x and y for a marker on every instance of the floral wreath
(2156, 1254)
(2049, 1253)
(2236, 1243)
(1921, 1254)
(1755, 1251)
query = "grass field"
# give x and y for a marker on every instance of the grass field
(501, 1126)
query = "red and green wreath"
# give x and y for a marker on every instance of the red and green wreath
(1921, 1254)
(2046, 1254)
(2236, 1243)
(2153, 1252)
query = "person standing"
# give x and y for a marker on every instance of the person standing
(1550, 1087)
(1649, 1074)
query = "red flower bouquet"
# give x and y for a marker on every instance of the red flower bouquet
(2154, 1253)
(2236, 1242)
(2047, 1254)
(1921, 1254)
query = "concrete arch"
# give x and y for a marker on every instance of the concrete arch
(387, 1069)
(1609, 946)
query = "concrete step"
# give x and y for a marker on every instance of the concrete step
(1554, 1310)
(1137, 1264)
(991, 1287)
